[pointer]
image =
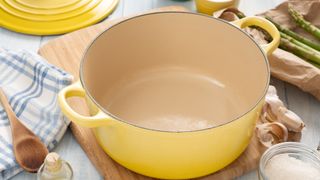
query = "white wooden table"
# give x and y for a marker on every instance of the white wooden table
(303, 104)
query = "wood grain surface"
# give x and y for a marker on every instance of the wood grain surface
(66, 52)
(306, 106)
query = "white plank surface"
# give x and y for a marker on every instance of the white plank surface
(12, 40)
(303, 104)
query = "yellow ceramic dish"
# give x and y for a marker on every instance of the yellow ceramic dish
(210, 6)
(218, 52)
(47, 17)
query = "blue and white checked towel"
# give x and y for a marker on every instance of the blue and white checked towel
(31, 85)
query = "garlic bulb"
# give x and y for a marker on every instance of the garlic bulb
(277, 120)
(275, 111)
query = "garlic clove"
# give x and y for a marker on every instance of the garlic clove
(234, 10)
(221, 13)
(263, 117)
(263, 114)
(275, 103)
(229, 16)
(271, 115)
(291, 120)
(272, 91)
(267, 115)
(271, 133)
(280, 131)
(266, 140)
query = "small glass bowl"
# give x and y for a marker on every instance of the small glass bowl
(294, 149)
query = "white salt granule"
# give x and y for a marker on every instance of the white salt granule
(283, 166)
(176, 123)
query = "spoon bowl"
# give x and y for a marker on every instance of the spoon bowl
(32, 148)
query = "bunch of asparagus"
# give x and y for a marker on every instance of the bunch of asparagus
(293, 42)
(297, 44)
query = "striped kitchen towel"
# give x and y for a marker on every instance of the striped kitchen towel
(31, 85)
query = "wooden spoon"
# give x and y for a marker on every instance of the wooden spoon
(28, 149)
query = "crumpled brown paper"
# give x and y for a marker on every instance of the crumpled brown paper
(285, 65)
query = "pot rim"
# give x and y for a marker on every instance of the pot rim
(184, 131)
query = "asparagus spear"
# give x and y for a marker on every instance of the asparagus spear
(295, 35)
(298, 43)
(299, 51)
(315, 64)
(306, 25)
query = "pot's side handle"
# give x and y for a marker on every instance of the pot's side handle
(76, 90)
(264, 24)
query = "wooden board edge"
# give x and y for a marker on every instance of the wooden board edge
(108, 22)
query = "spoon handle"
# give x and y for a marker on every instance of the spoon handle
(18, 129)
(6, 105)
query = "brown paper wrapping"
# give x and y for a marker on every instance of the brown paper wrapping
(285, 65)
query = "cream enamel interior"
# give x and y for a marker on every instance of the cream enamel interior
(175, 66)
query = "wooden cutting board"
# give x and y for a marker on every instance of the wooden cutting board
(66, 52)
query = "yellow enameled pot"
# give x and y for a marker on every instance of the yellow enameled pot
(173, 66)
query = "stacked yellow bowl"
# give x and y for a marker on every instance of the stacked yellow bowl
(48, 17)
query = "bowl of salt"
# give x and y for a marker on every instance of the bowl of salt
(290, 160)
